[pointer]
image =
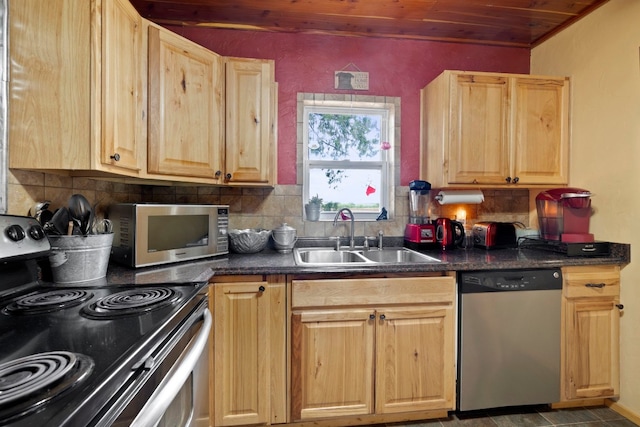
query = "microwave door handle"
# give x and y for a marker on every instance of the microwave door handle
(162, 397)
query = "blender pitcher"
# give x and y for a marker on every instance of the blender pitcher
(419, 202)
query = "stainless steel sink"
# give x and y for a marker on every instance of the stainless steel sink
(327, 256)
(396, 255)
(323, 256)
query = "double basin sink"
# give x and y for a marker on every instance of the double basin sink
(323, 256)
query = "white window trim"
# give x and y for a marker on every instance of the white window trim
(390, 174)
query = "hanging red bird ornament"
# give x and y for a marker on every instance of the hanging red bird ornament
(370, 190)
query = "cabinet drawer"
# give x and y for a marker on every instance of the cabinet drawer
(372, 291)
(591, 281)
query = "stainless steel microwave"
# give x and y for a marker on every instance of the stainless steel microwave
(150, 234)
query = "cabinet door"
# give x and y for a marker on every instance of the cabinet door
(123, 129)
(479, 147)
(415, 359)
(250, 149)
(331, 363)
(241, 353)
(186, 107)
(541, 130)
(592, 348)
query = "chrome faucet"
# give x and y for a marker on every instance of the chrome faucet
(335, 222)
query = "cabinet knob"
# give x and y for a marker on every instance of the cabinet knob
(228, 177)
(382, 317)
(372, 316)
(595, 285)
(620, 306)
(217, 174)
(508, 179)
(115, 157)
(515, 180)
(261, 288)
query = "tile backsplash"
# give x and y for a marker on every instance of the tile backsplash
(249, 207)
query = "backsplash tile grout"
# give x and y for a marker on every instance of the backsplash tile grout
(249, 207)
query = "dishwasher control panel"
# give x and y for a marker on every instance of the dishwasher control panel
(510, 280)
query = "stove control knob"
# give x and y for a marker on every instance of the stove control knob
(15, 233)
(36, 232)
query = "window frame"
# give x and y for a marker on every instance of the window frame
(387, 165)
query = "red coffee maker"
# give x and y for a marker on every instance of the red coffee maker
(420, 232)
(563, 215)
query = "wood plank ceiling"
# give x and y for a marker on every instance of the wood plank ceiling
(516, 23)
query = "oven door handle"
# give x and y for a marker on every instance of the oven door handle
(167, 391)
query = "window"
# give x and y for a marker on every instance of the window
(348, 156)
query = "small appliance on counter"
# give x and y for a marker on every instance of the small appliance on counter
(420, 232)
(494, 235)
(449, 233)
(152, 233)
(423, 233)
(564, 214)
(563, 217)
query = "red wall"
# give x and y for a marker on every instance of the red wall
(306, 63)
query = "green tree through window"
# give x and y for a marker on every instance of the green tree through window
(348, 156)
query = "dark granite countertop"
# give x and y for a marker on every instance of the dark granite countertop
(272, 262)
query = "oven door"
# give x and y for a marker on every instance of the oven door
(177, 392)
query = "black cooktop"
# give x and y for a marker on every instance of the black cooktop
(100, 334)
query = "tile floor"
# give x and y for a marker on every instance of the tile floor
(538, 416)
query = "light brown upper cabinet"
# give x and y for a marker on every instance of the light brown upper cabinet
(494, 130)
(77, 87)
(251, 95)
(186, 107)
(96, 90)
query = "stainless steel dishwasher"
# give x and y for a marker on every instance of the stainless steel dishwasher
(509, 338)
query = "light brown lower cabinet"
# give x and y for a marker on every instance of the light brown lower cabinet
(367, 346)
(590, 344)
(249, 355)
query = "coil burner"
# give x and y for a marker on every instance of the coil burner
(29, 382)
(131, 302)
(47, 302)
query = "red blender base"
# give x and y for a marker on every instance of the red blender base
(420, 236)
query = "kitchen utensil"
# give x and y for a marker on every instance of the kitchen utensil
(38, 208)
(80, 212)
(449, 233)
(284, 238)
(59, 222)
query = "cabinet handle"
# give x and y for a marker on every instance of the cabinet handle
(515, 180)
(261, 288)
(217, 174)
(595, 285)
(620, 306)
(372, 316)
(228, 177)
(115, 157)
(508, 179)
(382, 317)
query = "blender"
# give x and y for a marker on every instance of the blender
(420, 232)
